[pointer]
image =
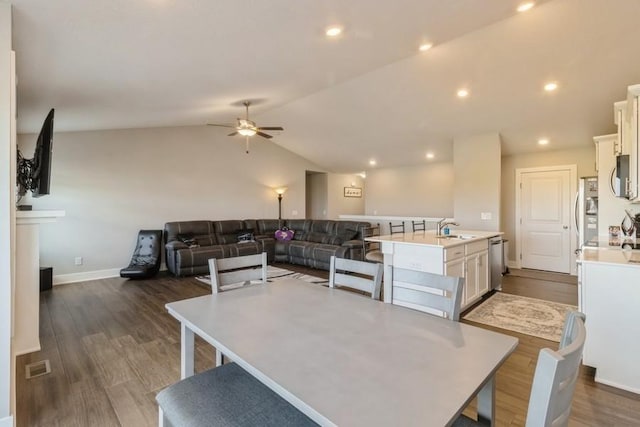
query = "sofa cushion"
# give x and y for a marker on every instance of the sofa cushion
(266, 227)
(194, 228)
(227, 231)
(186, 258)
(323, 226)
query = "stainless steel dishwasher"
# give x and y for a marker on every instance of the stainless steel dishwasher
(496, 261)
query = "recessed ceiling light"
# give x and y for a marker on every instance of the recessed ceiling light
(430, 156)
(543, 141)
(526, 6)
(425, 47)
(551, 86)
(463, 93)
(372, 162)
(333, 31)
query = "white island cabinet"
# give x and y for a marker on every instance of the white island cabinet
(609, 295)
(466, 257)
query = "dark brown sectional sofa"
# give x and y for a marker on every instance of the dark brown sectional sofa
(190, 244)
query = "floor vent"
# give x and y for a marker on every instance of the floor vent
(38, 368)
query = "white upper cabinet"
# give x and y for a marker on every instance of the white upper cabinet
(632, 136)
(621, 145)
(627, 120)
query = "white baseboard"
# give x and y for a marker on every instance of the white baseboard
(62, 279)
(616, 385)
(6, 421)
(512, 264)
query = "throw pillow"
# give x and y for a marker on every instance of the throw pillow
(188, 240)
(284, 234)
(245, 237)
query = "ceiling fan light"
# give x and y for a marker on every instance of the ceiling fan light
(247, 132)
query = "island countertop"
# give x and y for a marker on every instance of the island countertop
(429, 238)
(611, 256)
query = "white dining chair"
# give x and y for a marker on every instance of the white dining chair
(231, 273)
(554, 380)
(428, 292)
(236, 272)
(339, 267)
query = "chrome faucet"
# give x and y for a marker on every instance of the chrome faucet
(442, 224)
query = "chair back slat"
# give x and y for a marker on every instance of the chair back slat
(396, 228)
(244, 269)
(419, 289)
(338, 277)
(555, 377)
(419, 225)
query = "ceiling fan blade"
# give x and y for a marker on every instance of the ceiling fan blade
(233, 134)
(264, 135)
(271, 128)
(222, 126)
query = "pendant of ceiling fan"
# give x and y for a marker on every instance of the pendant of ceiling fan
(248, 128)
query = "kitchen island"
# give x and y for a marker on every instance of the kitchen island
(609, 295)
(464, 254)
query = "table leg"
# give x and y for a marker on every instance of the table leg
(187, 356)
(487, 402)
(387, 279)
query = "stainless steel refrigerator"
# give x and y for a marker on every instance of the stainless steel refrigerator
(586, 211)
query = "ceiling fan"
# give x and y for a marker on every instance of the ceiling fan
(248, 128)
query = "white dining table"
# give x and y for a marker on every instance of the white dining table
(344, 359)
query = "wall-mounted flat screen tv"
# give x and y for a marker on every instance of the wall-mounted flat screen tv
(41, 169)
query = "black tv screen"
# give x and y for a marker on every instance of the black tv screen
(41, 175)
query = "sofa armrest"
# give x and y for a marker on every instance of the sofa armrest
(176, 245)
(353, 244)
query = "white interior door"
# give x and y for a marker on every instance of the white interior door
(545, 228)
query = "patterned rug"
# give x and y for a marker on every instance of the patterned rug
(529, 316)
(274, 274)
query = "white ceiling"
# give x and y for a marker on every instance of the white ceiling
(106, 64)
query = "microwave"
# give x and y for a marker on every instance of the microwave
(621, 181)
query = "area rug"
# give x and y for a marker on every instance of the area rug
(274, 274)
(529, 316)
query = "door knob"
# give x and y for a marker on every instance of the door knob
(565, 227)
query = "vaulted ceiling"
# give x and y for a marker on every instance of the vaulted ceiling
(367, 94)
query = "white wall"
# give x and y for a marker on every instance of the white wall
(425, 190)
(476, 162)
(584, 158)
(113, 183)
(7, 170)
(337, 203)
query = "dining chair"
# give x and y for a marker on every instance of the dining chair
(236, 272)
(339, 267)
(371, 250)
(428, 292)
(554, 380)
(225, 396)
(231, 273)
(419, 225)
(396, 228)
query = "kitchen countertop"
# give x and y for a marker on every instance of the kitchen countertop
(429, 238)
(630, 258)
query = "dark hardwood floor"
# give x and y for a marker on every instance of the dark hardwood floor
(112, 347)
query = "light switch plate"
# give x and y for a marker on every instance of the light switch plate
(485, 215)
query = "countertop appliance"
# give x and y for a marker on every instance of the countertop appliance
(496, 261)
(586, 211)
